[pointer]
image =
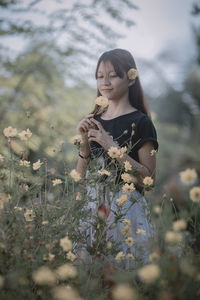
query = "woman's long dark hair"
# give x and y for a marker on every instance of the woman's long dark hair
(123, 61)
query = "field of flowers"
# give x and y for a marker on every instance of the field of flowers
(44, 250)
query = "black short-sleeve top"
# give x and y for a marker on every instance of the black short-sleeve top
(135, 126)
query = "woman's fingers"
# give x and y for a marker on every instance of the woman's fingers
(100, 127)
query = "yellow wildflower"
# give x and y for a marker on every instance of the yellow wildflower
(45, 222)
(66, 244)
(172, 237)
(129, 241)
(101, 101)
(127, 166)
(127, 222)
(128, 188)
(126, 231)
(141, 231)
(130, 256)
(104, 172)
(25, 134)
(123, 291)
(195, 194)
(114, 152)
(153, 152)
(120, 256)
(132, 73)
(66, 271)
(44, 276)
(148, 180)
(56, 181)
(51, 256)
(24, 163)
(149, 273)
(10, 131)
(122, 151)
(122, 199)
(37, 165)
(29, 215)
(76, 139)
(179, 225)
(75, 175)
(65, 292)
(71, 256)
(126, 177)
(188, 176)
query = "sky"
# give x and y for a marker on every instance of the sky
(162, 26)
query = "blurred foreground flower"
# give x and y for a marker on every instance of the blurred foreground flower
(66, 271)
(1, 158)
(37, 165)
(76, 139)
(124, 291)
(29, 215)
(56, 181)
(179, 225)
(44, 276)
(149, 273)
(188, 176)
(101, 101)
(195, 194)
(63, 292)
(172, 237)
(141, 231)
(148, 180)
(71, 256)
(75, 175)
(10, 131)
(25, 134)
(4, 198)
(66, 243)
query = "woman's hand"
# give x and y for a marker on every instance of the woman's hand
(100, 136)
(84, 125)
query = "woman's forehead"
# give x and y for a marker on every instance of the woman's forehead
(105, 66)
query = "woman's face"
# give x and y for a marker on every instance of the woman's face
(109, 84)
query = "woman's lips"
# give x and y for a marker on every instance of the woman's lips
(106, 90)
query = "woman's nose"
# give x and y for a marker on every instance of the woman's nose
(107, 80)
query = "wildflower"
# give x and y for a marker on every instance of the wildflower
(56, 181)
(45, 222)
(120, 256)
(157, 209)
(66, 244)
(37, 165)
(44, 276)
(24, 163)
(104, 172)
(51, 256)
(126, 231)
(130, 256)
(179, 225)
(132, 73)
(153, 152)
(71, 256)
(114, 152)
(29, 215)
(75, 175)
(188, 176)
(122, 199)
(66, 271)
(101, 101)
(10, 131)
(141, 231)
(127, 166)
(24, 186)
(76, 139)
(103, 212)
(25, 134)
(78, 196)
(172, 237)
(128, 188)
(149, 273)
(195, 194)
(1, 158)
(148, 180)
(123, 291)
(18, 208)
(63, 292)
(129, 241)
(126, 177)
(127, 222)
(122, 151)
(154, 257)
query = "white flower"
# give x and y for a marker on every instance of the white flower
(149, 273)
(25, 134)
(71, 256)
(66, 244)
(37, 165)
(114, 152)
(123, 291)
(188, 176)
(10, 131)
(173, 237)
(56, 181)
(63, 292)
(195, 194)
(157, 209)
(128, 188)
(148, 180)
(179, 225)
(101, 101)
(126, 177)
(120, 256)
(127, 166)
(75, 175)
(66, 271)
(44, 276)
(132, 73)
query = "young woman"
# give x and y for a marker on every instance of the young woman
(125, 119)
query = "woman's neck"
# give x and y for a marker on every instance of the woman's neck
(118, 108)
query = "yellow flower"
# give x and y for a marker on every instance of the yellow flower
(141, 231)
(123, 291)
(45, 222)
(195, 194)
(126, 177)
(75, 175)
(126, 231)
(51, 256)
(66, 244)
(56, 181)
(114, 152)
(127, 222)
(29, 215)
(188, 176)
(18, 208)
(63, 292)
(148, 180)
(172, 237)
(71, 256)
(122, 151)
(25, 134)
(44, 276)
(122, 199)
(24, 163)
(10, 131)
(149, 273)
(76, 139)
(120, 256)
(37, 165)
(130, 256)
(127, 166)
(104, 172)
(128, 188)
(132, 73)
(101, 101)
(129, 241)
(24, 186)
(1, 158)
(153, 152)
(179, 225)
(66, 271)
(78, 196)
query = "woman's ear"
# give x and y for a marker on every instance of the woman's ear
(131, 82)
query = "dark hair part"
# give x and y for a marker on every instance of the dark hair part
(123, 61)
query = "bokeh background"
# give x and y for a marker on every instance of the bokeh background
(48, 54)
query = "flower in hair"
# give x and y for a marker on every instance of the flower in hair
(101, 101)
(132, 73)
